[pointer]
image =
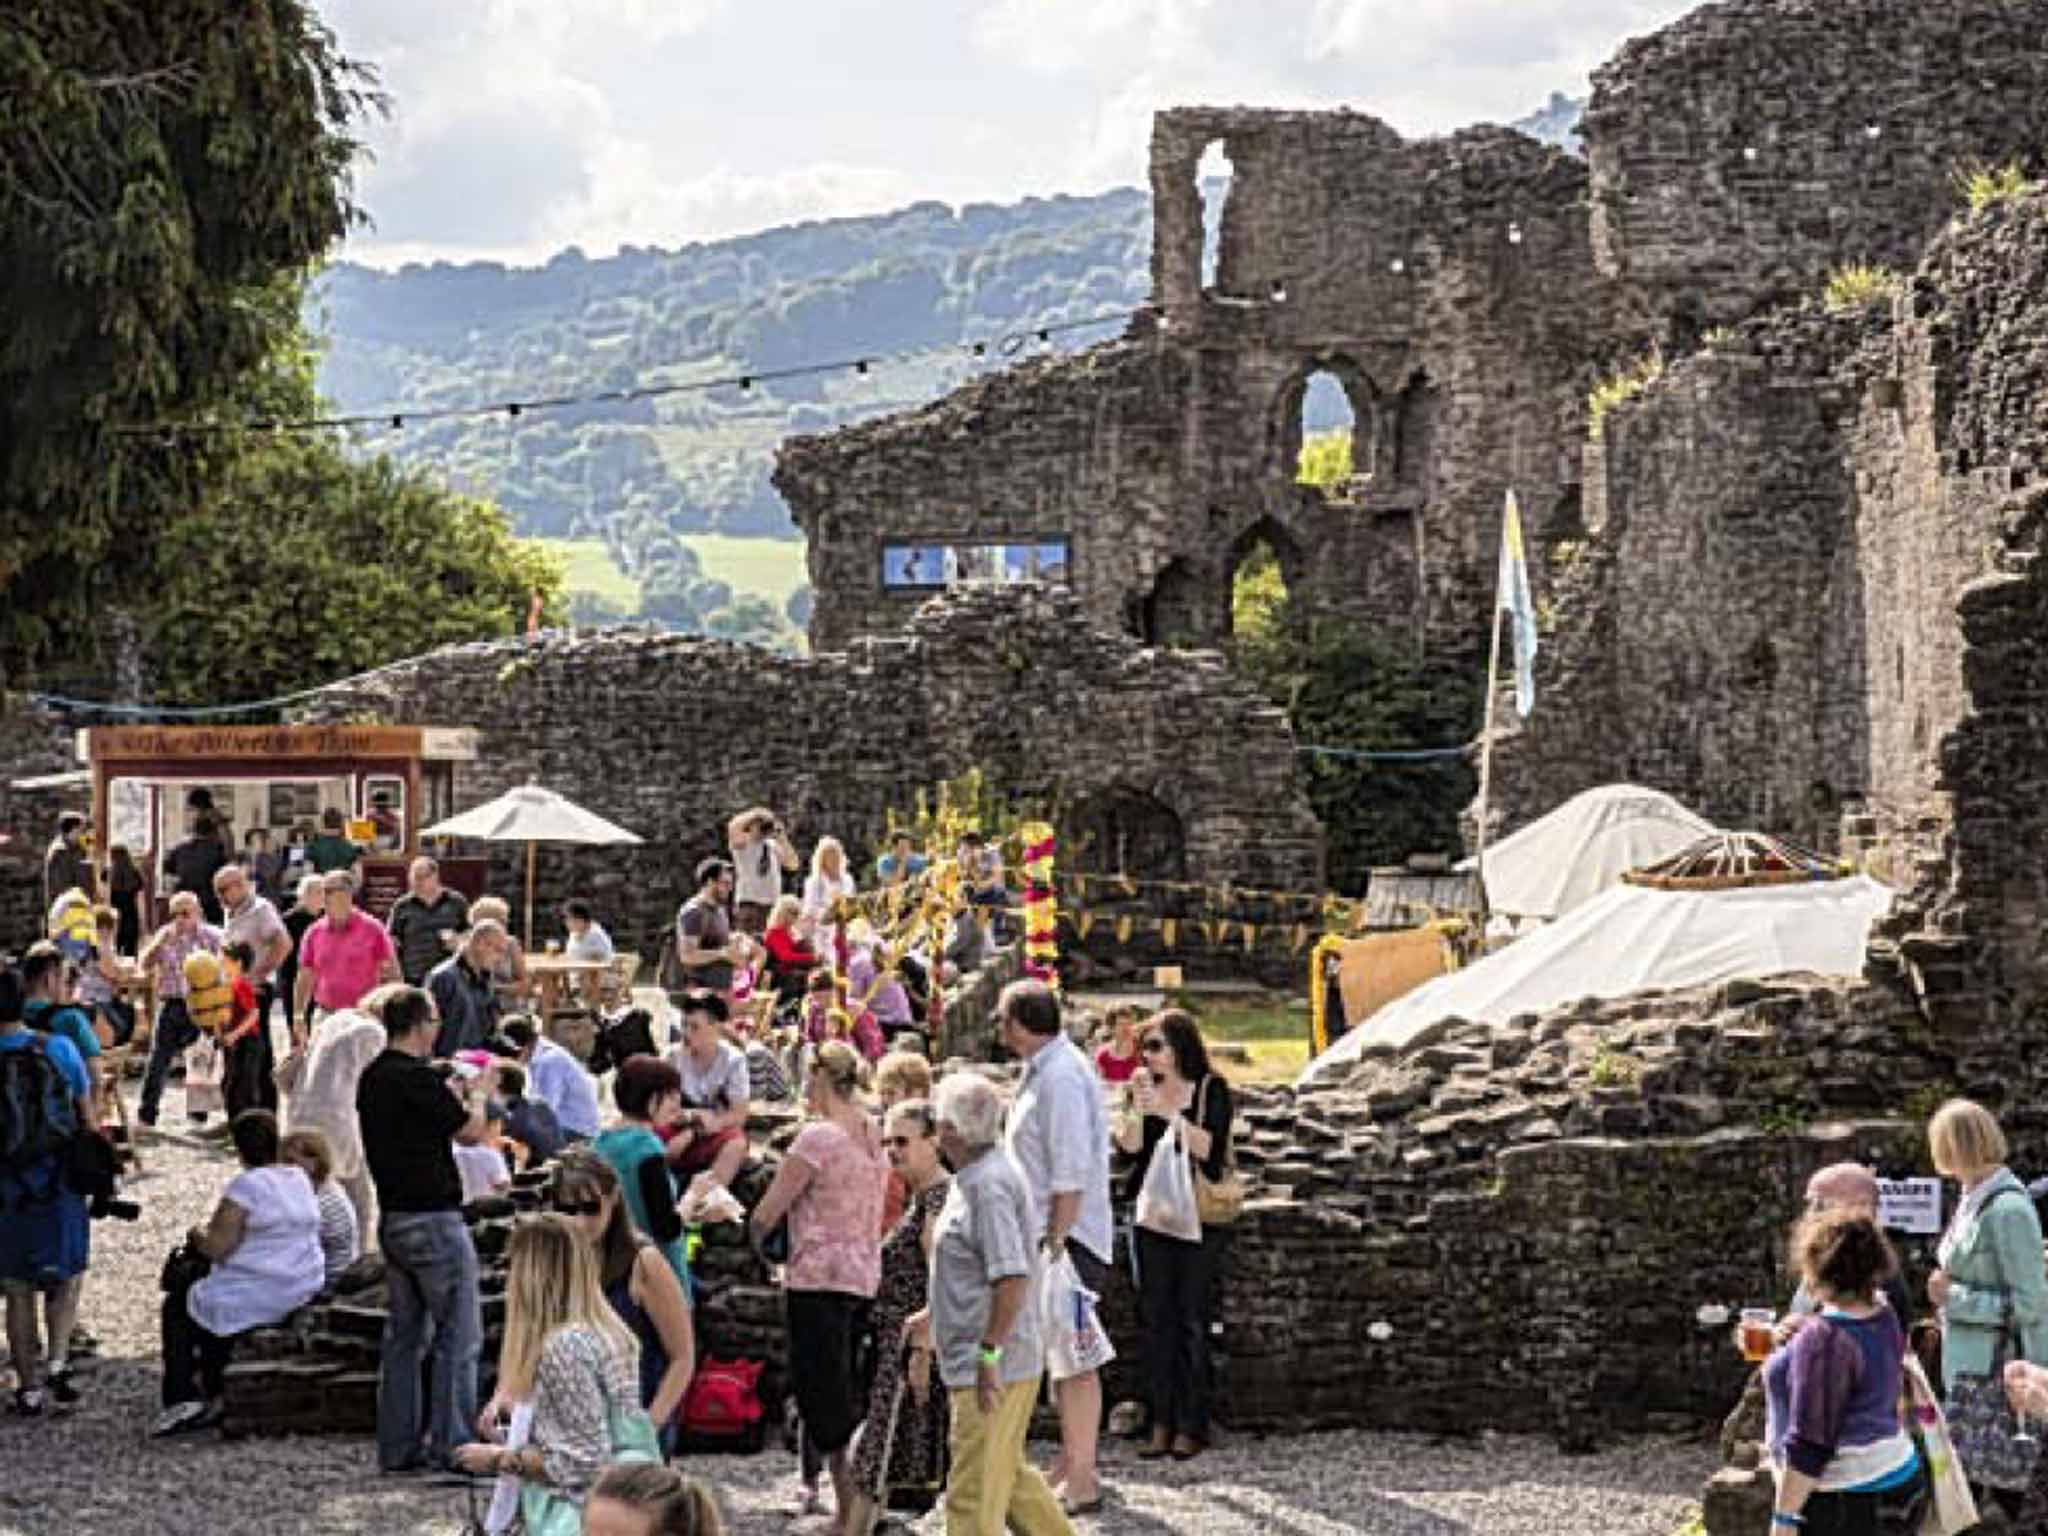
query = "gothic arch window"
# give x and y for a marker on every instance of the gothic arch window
(1125, 831)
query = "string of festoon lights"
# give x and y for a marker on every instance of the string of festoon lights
(1006, 345)
(1405, 259)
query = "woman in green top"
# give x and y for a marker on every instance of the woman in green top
(649, 1093)
(1991, 1276)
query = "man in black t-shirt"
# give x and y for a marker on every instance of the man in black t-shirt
(704, 947)
(410, 1114)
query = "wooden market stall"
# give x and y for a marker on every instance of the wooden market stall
(386, 781)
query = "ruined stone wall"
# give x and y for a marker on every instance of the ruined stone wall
(1446, 284)
(670, 735)
(33, 744)
(1742, 152)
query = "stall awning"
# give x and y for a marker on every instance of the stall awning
(76, 778)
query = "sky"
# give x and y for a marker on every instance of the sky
(519, 127)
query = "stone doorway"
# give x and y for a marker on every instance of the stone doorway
(1125, 831)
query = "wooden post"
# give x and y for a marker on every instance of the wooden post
(532, 849)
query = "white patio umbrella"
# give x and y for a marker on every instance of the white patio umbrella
(532, 815)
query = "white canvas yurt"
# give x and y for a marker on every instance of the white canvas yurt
(1730, 906)
(1572, 854)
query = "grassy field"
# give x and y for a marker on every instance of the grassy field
(773, 568)
(589, 568)
(770, 568)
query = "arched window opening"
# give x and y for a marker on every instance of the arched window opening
(1324, 453)
(1212, 183)
(1126, 832)
(1262, 572)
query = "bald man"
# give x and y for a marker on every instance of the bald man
(1845, 1187)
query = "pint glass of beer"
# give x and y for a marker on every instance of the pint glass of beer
(1753, 1334)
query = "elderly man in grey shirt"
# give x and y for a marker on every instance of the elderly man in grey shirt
(982, 1323)
(1059, 1136)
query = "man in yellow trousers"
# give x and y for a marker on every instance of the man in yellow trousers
(982, 1324)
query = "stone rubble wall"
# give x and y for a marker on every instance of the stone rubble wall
(1161, 456)
(34, 743)
(1708, 233)
(669, 735)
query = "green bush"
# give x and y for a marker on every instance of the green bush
(1860, 285)
(1620, 388)
(1347, 688)
(1982, 185)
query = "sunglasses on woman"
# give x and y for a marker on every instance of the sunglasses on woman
(587, 1207)
(1153, 1046)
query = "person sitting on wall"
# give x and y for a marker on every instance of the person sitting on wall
(791, 957)
(902, 863)
(711, 1133)
(981, 871)
(556, 1079)
(531, 1122)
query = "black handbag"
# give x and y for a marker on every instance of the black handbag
(185, 1267)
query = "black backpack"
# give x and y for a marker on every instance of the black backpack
(38, 1116)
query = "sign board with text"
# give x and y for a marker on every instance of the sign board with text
(1909, 1205)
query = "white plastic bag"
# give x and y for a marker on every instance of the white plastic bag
(204, 1071)
(1166, 1200)
(1075, 1340)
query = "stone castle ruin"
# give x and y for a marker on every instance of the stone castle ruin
(1792, 573)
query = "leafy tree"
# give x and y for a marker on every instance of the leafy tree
(166, 167)
(1348, 688)
(750, 618)
(304, 565)
(1325, 459)
(593, 610)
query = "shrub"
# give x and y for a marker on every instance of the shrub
(1860, 285)
(1982, 185)
(1620, 388)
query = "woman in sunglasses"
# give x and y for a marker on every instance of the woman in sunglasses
(1175, 1277)
(904, 1444)
(638, 1283)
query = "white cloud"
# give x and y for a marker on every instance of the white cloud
(523, 125)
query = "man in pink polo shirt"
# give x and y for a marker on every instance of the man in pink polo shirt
(342, 956)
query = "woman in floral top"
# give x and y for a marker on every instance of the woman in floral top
(185, 934)
(830, 1187)
(568, 1374)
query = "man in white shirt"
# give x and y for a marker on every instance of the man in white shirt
(556, 1078)
(761, 853)
(1059, 1135)
(587, 941)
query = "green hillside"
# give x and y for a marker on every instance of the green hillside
(649, 479)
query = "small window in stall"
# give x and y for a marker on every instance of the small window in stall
(384, 808)
(438, 786)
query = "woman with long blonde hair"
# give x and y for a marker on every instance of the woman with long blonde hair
(829, 882)
(568, 1380)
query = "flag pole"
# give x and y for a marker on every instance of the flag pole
(1486, 731)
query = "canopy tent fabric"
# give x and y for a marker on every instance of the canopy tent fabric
(1633, 939)
(531, 815)
(1584, 846)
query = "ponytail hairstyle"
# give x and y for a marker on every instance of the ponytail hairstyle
(675, 1505)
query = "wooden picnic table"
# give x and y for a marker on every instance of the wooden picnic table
(553, 977)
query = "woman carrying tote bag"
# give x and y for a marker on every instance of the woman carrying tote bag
(1993, 1295)
(568, 1398)
(1178, 1099)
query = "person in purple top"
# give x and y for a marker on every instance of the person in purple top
(1839, 1451)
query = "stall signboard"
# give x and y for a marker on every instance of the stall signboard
(384, 881)
(1909, 1205)
(166, 744)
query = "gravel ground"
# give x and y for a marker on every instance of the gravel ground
(96, 1474)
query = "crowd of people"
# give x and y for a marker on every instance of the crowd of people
(1852, 1386)
(376, 1077)
(940, 1243)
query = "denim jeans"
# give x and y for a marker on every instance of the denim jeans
(174, 1031)
(430, 1280)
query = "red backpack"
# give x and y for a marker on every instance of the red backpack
(722, 1410)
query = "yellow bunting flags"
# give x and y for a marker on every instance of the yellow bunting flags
(1251, 936)
(1083, 920)
(1123, 929)
(1169, 931)
(1300, 938)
